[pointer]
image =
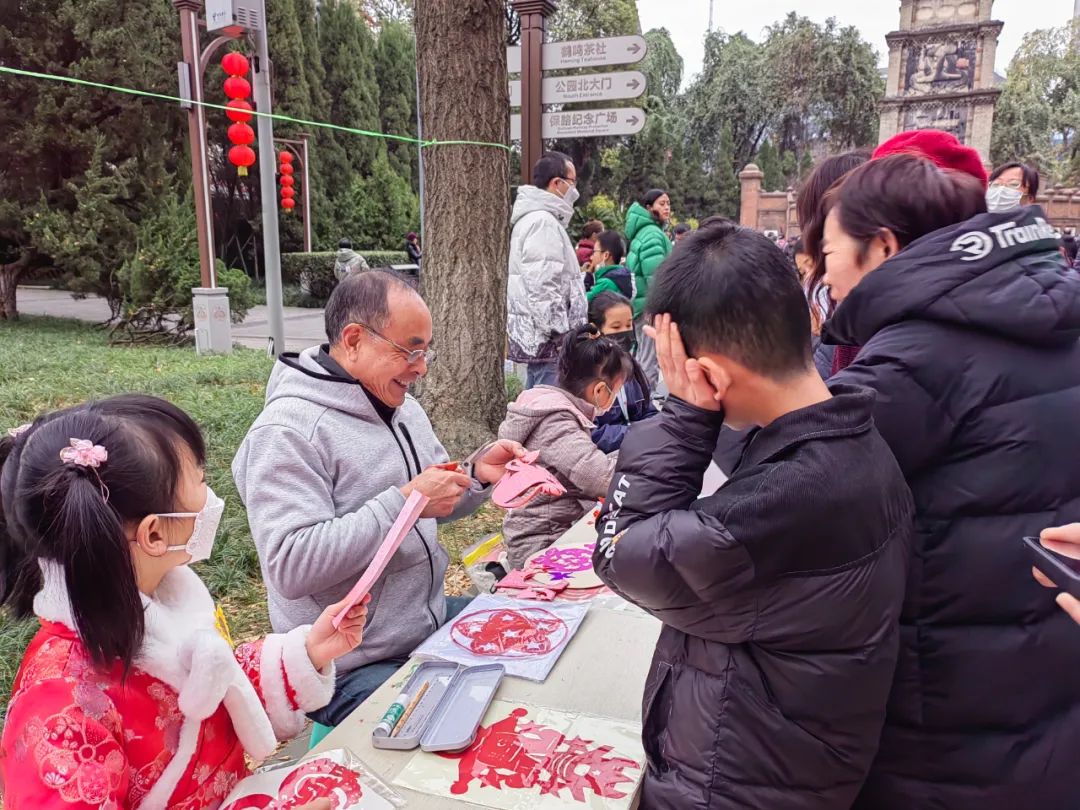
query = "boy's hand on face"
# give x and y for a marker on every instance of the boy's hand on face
(684, 375)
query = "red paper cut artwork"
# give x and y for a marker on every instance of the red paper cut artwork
(514, 633)
(325, 777)
(515, 753)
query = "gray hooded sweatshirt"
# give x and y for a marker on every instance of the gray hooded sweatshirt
(320, 474)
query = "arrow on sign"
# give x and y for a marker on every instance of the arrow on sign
(587, 87)
(583, 53)
(586, 123)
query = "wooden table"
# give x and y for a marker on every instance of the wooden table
(602, 672)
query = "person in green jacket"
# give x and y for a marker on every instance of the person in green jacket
(610, 275)
(649, 246)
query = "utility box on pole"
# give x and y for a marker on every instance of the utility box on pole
(234, 17)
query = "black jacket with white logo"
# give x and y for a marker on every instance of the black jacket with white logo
(780, 597)
(969, 338)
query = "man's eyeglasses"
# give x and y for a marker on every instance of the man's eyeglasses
(410, 355)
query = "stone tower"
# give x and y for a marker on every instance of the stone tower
(941, 71)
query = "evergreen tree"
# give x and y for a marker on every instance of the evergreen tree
(725, 180)
(379, 209)
(769, 162)
(327, 153)
(53, 134)
(348, 54)
(395, 67)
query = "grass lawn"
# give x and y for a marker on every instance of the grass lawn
(47, 363)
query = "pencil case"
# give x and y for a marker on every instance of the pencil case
(448, 713)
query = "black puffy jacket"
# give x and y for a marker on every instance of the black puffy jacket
(780, 597)
(969, 337)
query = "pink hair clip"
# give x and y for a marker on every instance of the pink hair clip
(84, 453)
(16, 432)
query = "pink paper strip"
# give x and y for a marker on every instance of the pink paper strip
(406, 519)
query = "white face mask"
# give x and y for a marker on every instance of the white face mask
(571, 196)
(201, 543)
(1002, 198)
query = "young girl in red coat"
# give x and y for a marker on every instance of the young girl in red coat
(129, 696)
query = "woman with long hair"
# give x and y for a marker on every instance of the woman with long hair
(968, 327)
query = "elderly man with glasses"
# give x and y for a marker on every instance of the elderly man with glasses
(327, 466)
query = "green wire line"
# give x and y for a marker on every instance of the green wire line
(131, 91)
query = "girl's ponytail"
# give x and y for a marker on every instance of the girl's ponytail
(587, 356)
(90, 543)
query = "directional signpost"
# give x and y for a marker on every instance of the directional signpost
(584, 53)
(586, 123)
(590, 87)
(533, 91)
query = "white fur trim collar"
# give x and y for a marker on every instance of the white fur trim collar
(182, 648)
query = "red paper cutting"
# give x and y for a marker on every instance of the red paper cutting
(518, 633)
(318, 779)
(517, 754)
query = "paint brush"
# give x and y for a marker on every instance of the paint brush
(412, 707)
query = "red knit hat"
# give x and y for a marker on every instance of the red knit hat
(940, 148)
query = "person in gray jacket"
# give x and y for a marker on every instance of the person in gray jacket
(348, 262)
(327, 466)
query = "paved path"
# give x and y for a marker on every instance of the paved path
(303, 327)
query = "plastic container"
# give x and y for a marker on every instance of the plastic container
(449, 712)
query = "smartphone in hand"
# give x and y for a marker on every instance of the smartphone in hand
(1061, 570)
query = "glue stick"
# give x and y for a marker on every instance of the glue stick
(393, 714)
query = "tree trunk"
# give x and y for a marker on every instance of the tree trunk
(461, 58)
(9, 282)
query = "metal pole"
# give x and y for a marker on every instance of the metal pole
(420, 151)
(533, 14)
(200, 174)
(267, 173)
(307, 199)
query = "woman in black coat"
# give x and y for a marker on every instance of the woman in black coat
(968, 324)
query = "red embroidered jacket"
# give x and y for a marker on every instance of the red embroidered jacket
(173, 733)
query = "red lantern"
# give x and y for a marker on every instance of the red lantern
(287, 181)
(287, 193)
(241, 135)
(238, 111)
(242, 156)
(288, 204)
(285, 156)
(236, 87)
(285, 168)
(235, 64)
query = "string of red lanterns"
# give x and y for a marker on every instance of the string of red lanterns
(240, 133)
(287, 180)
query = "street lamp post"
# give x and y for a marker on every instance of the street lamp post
(233, 18)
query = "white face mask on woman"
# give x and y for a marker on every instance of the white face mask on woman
(201, 543)
(1002, 198)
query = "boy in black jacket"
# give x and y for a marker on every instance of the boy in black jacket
(780, 594)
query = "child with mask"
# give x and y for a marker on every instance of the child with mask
(609, 274)
(130, 694)
(557, 421)
(613, 315)
(781, 593)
